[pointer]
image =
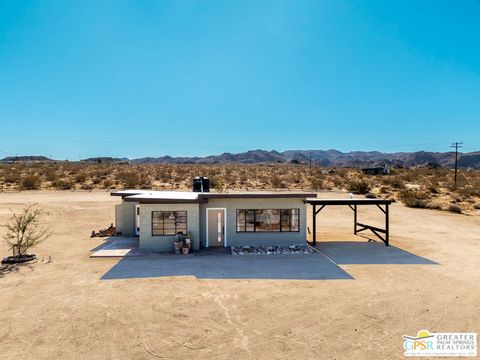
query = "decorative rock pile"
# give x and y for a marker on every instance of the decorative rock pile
(269, 250)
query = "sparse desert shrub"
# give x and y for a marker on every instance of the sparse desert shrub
(413, 198)
(24, 230)
(276, 182)
(51, 175)
(129, 179)
(315, 182)
(80, 177)
(433, 206)
(62, 184)
(12, 177)
(394, 181)
(337, 181)
(455, 208)
(86, 187)
(30, 182)
(360, 186)
(468, 192)
(107, 183)
(217, 184)
(384, 190)
(476, 206)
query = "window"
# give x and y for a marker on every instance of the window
(268, 220)
(168, 222)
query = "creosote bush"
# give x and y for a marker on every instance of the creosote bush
(359, 186)
(413, 198)
(24, 230)
(30, 182)
(62, 184)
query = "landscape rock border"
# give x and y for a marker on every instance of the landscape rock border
(270, 250)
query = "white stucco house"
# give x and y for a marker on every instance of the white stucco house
(212, 219)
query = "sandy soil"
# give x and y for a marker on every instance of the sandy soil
(63, 309)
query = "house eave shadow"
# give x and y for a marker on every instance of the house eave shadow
(267, 267)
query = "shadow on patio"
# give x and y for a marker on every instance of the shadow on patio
(280, 267)
(364, 253)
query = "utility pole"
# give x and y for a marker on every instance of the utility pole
(310, 164)
(457, 145)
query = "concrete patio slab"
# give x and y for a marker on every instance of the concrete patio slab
(117, 247)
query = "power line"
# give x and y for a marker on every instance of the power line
(456, 145)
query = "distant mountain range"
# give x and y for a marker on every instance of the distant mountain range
(318, 157)
(328, 158)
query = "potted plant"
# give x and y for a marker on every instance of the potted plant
(179, 242)
(185, 249)
(177, 246)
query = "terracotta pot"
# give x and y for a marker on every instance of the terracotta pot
(185, 250)
(178, 247)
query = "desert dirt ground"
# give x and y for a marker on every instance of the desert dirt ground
(63, 309)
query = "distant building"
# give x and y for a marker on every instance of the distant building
(376, 170)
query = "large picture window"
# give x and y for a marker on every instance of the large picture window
(169, 222)
(268, 220)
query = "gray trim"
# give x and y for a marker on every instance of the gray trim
(254, 195)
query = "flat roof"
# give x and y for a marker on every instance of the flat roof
(152, 196)
(317, 201)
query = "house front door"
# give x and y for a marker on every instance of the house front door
(216, 227)
(137, 220)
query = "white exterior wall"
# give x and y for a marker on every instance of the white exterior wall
(234, 238)
(165, 243)
(125, 218)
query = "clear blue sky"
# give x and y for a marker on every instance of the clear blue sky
(149, 78)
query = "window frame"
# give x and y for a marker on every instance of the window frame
(163, 225)
(244, 226)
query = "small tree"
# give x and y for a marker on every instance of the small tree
(24, 230)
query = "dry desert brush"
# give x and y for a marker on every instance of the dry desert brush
(24, 230)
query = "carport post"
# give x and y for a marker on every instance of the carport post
(387, 225)
(314, 224)
(355, 219)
